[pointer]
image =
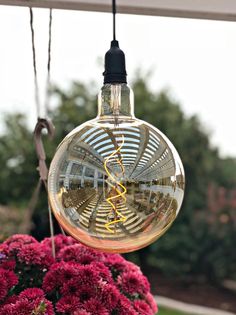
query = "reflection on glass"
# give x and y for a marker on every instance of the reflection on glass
(116, 183)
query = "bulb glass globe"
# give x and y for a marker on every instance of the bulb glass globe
(116, 183)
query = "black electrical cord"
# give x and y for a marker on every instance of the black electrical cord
(114, 18)
(115, 71)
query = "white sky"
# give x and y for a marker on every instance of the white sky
(194, 59)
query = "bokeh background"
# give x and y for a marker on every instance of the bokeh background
(183, 75)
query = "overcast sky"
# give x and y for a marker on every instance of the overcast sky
(194, 59)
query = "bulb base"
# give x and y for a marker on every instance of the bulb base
(115, 71)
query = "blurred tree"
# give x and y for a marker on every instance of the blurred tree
(194, 245)
(17, 160)
(191, 246)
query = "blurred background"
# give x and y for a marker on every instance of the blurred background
(183, 75)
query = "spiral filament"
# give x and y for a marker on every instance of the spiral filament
(117, 189)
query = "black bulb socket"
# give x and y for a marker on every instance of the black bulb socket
(115, 71)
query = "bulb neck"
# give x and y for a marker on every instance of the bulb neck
(116, 101)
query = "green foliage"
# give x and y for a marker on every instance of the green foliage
(193, 246)
(199, 243)
(17, 160)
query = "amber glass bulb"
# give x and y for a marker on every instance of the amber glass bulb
(116, 183)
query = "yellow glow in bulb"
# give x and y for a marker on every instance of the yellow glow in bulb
(116, 183)
(119, 217)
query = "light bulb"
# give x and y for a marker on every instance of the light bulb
(116, 183)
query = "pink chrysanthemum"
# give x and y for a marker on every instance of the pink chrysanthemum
(68, 304)
(17, 241)
(35, 254)
(3, 288)
(4, 251)
(124, 306)
(81, 282)
(103, 271)
(60, 242)
(59, 274)
(112, 260)
(22, 307)
(129, 266)
(8, 309)
(82, 291)
(95, 307)
(85, 282)
(11, 299)
(8, 264)
(142, 308)
(116, 263)
(8, 279)
(80, 254)
(81, 312)
(151, 302)
(20, 238)
(32, 294)
(109, 296)
(133, 283)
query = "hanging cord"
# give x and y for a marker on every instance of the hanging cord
(114, 18)
(42, 167)
(48, 83)
(36, 85)
(42, 123)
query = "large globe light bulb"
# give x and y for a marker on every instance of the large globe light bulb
(116, 183)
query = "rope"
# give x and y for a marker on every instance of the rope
(48, 82)
(36, 85)
(41, 124)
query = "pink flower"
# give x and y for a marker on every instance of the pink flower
(59, 274)
(103, 271)
(60, 241)
(117, 264)
(22, 307)
(3, 288)
(68, 304)
(142, 308)
(151, 302)
(109, 296)
(114, 260)
(84, 284)
(8, 264)
(124, 306)
(8, 279)
(81, 312)
(11, 300)
(80, 254)
(129, 266)
(7, 310)
(82, 291)
(83, 281)
(21, 239)
(35, 254)
(133, 283)
(95, 307)
(17, 241)
(4, 251)
(31, 294)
